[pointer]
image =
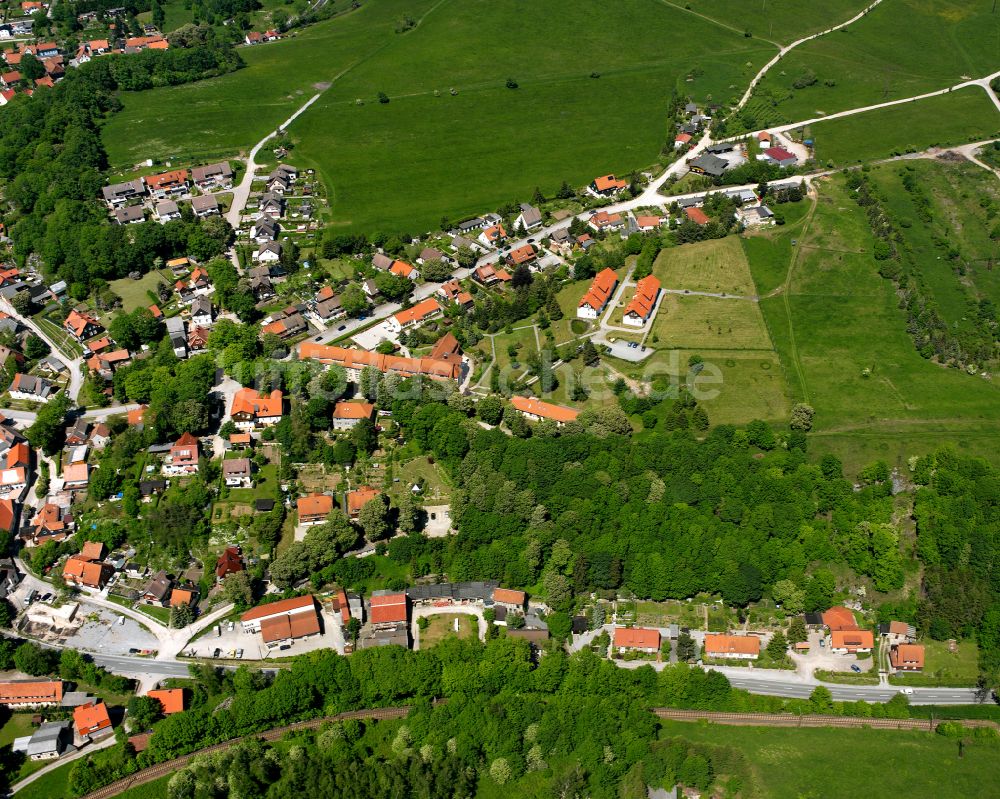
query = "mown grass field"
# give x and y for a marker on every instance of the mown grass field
(587, 103)
(709, 323)
(718, 266)
(796, 763)
(833, 318)
(872, 61)
(966, 115)
(442, 625)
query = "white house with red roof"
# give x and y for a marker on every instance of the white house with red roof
(598, 295)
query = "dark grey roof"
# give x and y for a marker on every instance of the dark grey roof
(709, 164)
(131, 213)
(211, 171)
(206, 202)
(127, 189)
(471, 590)
(721, 147)
(532, 216)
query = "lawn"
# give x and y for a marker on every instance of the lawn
(718, 266)
(838, 318)
(709, 323)
(943, 667)
(48, 786)
(436, 488)
(442, 625)
(946, 42)
(584, 104)
(17, 726)
(156, 789)
(963, 116)
(797, 763)
(134, 293)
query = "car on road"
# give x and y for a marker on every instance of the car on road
(239, 654)
(855, 668)
(342, 327)
(231, 653)
(217, 652)
(317, 338)
(231, 626)
(906, 690)
(133, 651)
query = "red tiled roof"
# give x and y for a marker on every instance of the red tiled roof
(418, 312)
(281, 628)
(608, 182)
(909, 656)
(851, 639)
(281, 606)
(360, 497)
(314, 505)
(637, 638)
(545, 410)
(522, 255)
(778, 153)
(509, 596)
(697, 215)
(839, 618)
(600, 290)
(173, 178)
(353, 410)
(388, 608)
(646, 291)
(251, 402)
(351, 358)
(31, 692)
(91, 717)
(723, 645)
(172, 699)
(92, 550)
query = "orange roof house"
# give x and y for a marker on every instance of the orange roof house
(251, 409)
(314, 508)
(296, 603)
(284, 620)
(508, 597)
(358, 498)
(182, 596)
(907, 657)
(172, 699)
(31, 692)
(744, 647)
(851, 641)
(347, 414)
(136, 416)
(839, 618)
(389, 609)
(183, 457)
(92, 574)
(91, 718)
(697, 216)
(607, 184)
(420, 312)
(7, 514)
(92, 550)
(640, 638)
(229, 562)
(522, 255)
(81, 325)
(354, 360)
(167, 181)
(643, 302)
(597, 296)
(402, 269)
(537, 410)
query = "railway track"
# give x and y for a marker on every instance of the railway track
(170, 766)
(790, 720)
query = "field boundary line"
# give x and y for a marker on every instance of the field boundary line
(810, 720)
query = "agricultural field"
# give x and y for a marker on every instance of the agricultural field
(845, 350)
(794, 763)
(959, 117)
(580, 108)
(869, 62)
(718, 266)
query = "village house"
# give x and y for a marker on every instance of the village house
(130, 215)
(264, 229)
(167, 184)
(387, 609)
(213, 176)
(755, 216)
(452, 291)
(536, 410)
(708, 164)
(606, 186)
(647, 223)
(641, 306)
(250, 409)
(157, 590)
(682, 140)
(432, 254)
(229, 562)
(272, 205)
(183, 596)
(851, 642)
(201, 312)
(283, 621)
(510, 599)
(92, 721)
(119, 194)
(907, 657)
(76, 477)
(205, 205)
(81, 325)
(48, 742)
(18, 694)
(636, 639)
(358, 498)
(529, 218)
(327, 306)
(80, 571)
(492, 235)
(522, 256)
(416, 315)
(354, 360)
(100, 436)
(346, 415)
(167, 211)
(598, 295)
(182, 458)
(488, 275)
(105, 364)
(171, 699)
(287, 323)
(177, 336)
(237, 473)
(403, 269)
(602, 220)
(269, 252)
(31, 388)
(898, 632)
(313, 509)
(732, 647)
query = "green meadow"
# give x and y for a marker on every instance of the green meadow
(453, 140)
(844, 348)
(966, 115)
(899, 49)
(775, 20)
